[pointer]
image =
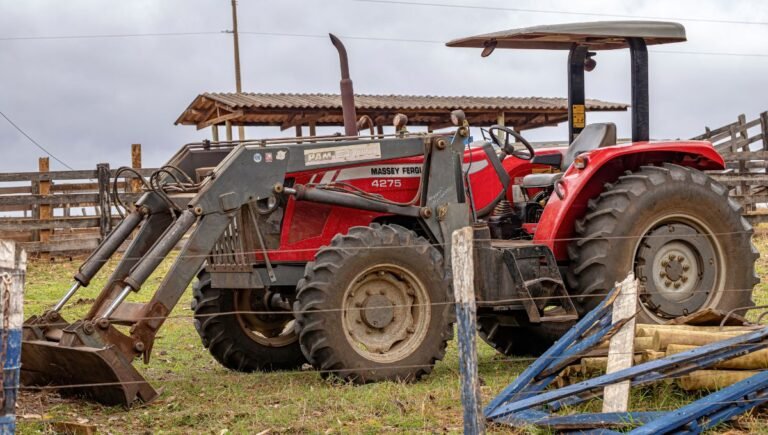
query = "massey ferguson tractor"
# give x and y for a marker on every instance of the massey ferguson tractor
(334, 250)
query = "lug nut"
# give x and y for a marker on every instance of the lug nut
(672, 257)
(103, 323)
(677, 285)
(684, 278)
(663, 274)
(686, 267)
(680, 258)
(667, 283)
(664, 263)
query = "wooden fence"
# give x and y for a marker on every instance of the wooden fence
(744, 146)
(64, 211)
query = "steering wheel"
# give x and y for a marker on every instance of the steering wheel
(508, 148)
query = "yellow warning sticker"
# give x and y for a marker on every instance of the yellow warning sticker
(579, 116)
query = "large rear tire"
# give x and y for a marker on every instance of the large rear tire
(375, 305)
(678, 231)
(235, 329)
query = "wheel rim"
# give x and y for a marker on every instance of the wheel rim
(275, 329)
(680, 266)
(386, 313)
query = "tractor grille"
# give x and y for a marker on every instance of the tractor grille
(236, 249)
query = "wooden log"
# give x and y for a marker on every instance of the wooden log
(621, 348)
(754, 361)
(647, 330)
(710, 380)
(663, 338)
(466, 318)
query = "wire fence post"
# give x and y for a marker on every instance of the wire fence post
(622, 344)
(464, 293)
(13, 266)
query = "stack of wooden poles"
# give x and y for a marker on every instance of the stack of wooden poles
(658, 341)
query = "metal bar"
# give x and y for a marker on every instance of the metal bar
(576, 99)
(725, 403)
(117, 301)
(71, 292)
(560, 346)
(675, 365)
(640, 107)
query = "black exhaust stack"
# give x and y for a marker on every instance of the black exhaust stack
(347, 93)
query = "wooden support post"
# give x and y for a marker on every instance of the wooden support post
(299, 133)
(466, 317)
(136, 164)
(13, 267)
(622, 345)
(46, 211)
(380, 130)
(764, 129)
(313, 128)
(228, 127)
(105, 207)
(501, 120)
(215, 133)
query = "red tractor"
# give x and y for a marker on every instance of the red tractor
(334, 251)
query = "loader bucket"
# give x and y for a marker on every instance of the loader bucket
(101, 374)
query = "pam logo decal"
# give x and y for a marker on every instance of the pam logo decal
(341, 154)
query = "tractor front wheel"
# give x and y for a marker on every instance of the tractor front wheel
(241, 332)
(374, 306)
(678, 231)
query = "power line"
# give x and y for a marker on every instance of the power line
(105, 36)
(322, 36)
(543, 11)
(34, 141)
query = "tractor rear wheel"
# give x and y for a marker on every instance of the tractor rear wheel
(237, 329)
(678, 231)
(375, 305)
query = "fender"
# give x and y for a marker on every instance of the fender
(605, 165)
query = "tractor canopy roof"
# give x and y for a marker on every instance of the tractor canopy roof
(597, 35)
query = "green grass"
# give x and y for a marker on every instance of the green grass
(201, 396)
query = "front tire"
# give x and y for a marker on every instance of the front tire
(375, 306)
(678, 231)
(233, 326)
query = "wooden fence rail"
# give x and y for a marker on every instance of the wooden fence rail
(50, 200)
(744, 147)
(42, 215)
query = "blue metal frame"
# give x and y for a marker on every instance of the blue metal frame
(523, 403)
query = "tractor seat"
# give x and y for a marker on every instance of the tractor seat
(592, 137)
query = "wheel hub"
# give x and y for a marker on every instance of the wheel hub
(378, 311)
(676, 264)
(386, 313)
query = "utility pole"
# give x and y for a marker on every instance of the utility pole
(238, 83)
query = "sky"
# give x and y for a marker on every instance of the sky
(87, 99)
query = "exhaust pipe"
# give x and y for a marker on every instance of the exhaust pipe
(347, 93)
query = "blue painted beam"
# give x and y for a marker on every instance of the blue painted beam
(716, 407)
(674, 365)
(533, 370)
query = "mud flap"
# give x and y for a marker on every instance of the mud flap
(99, 374)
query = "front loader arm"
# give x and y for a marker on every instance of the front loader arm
(91, 351)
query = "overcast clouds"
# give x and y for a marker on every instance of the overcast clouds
(88, 99)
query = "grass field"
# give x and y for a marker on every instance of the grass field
(201, 396)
